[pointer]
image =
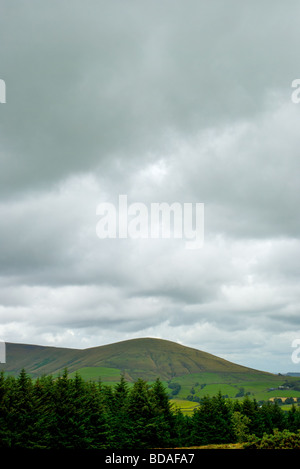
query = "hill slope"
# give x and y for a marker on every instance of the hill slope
(147, 358)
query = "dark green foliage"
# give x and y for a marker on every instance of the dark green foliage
(117, 415)
(72, 413)
(163, 420)
(175, 388)
(212, 422)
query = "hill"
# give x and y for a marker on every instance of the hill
(188, 372)
(146, 358)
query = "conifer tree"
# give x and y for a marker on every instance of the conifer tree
(211, 422)
(119, 421)
(164, 418)
(43, 409)
(66, 427)
(97, 429)
(140, 413)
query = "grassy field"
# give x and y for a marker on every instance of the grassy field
(187, 407)
(233, 385)
(95, 373)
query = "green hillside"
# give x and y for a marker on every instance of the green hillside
(137, 358)
(188, 373)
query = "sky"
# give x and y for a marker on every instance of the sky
(162, 101)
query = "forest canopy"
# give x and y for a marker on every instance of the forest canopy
(65, 412)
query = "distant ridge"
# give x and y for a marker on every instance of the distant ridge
(146, 358)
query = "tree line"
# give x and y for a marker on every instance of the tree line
(68, 412)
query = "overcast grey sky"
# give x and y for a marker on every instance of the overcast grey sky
(164, 101)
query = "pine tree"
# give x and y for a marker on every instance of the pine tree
(163, 419)
(140, 413)
(120, 394)
(21, 415)
(68, 425)
(119, 421)
(211, 422)
(43, 408)
(203, 431)
(249, 408)
(97, 429)
(223, 419)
